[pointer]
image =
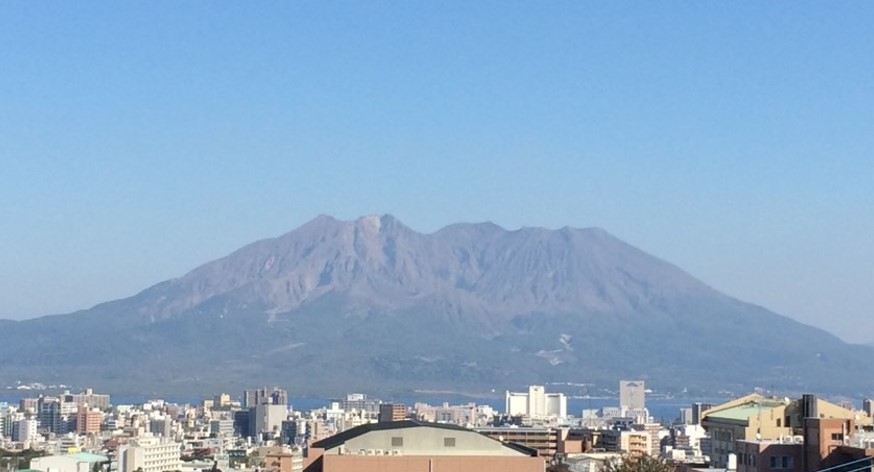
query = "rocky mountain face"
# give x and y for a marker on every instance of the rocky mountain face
(372, 305)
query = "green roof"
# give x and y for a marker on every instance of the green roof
(745, 411)
(88, 457)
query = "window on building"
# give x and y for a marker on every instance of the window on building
(773, 462)
(788, 421)
(779, 423)
(837, 436)
(786, 462)
(397, 441)
(449, 442)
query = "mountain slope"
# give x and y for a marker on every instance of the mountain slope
(373, 305)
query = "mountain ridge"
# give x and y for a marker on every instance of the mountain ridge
(471, 305)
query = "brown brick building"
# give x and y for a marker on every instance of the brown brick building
(392, 412)
(88, 422)
(825, 443)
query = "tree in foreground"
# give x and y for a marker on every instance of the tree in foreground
(638, 464)
(626, 464)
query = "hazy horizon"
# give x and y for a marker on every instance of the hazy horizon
(141, 141)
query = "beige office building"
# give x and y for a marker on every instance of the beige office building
(755, 417)
(152, 454)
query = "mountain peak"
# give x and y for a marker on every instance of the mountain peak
(319, 223)
(468, 306)
(483, 267)
(380, 223)
(369, 224)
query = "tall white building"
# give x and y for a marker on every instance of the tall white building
(26, 431)
(536, 403)
(267, 418)
(632, 394)
(6, 414)
(151, 453)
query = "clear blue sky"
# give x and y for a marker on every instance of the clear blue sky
(734, 139)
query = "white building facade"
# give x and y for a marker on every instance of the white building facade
(26, 431)
(536, 403)
(151, 454)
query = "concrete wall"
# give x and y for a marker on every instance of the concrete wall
(60, 464)
(431, 464)
(777, 453)
(516, 404)
(722, 439)
(556, 405)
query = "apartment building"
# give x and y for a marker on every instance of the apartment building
(87, 399)
(758, 418)
(88, 421)
(150, 453)
(389, 412)
(543, 440)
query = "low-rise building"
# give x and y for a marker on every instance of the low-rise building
(281, 459)
(772, 455)
(590, 462)
(542, 439)
(412, 446)
(446, 413)
(823, 444)
(79, 462)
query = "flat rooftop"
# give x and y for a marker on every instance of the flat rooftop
(745, 411)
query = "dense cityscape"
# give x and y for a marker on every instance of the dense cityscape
(260, 432)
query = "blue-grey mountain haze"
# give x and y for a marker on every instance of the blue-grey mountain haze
(734, 140)
(372, 305)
